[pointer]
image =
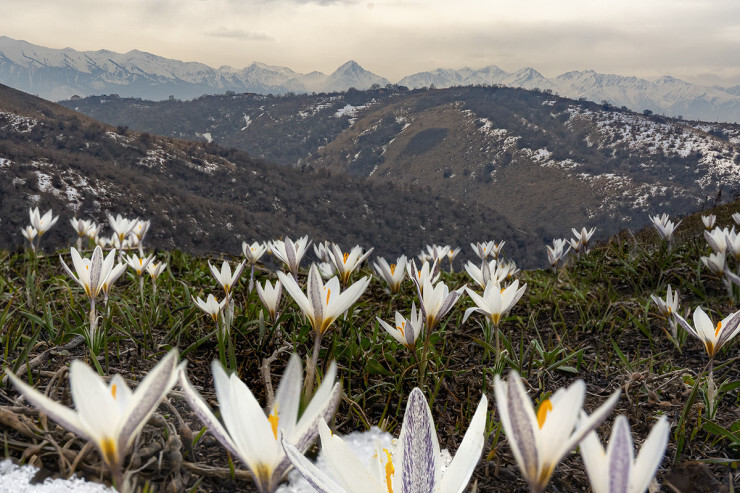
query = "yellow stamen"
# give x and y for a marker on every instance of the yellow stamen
(719, 327)
(273, 419)
(328, 293)
(545, 407)
(113, 390)
(345, 257)
(502, 290)
(389, 471)
(108, 448)
(393, 268)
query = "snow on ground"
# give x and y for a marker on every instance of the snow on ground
(17, 479)
(19, 123)
(636, 132)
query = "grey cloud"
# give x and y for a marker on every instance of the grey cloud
(239, 34)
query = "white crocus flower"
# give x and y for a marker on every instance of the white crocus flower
(321, 250)
(322, 303)
(81, 226)
(140, 229)
(270, 296)
(495, 302)
(669, 305)
(109, 415)
(139, 265)
(42, 223)
(250, 433)
(482, 250)
(428, 271)
(736, 217)
(436, 302)
(291, 253)
(225, 278)
(155, 270)
(616, 469)
(490, 272)
(392, 274)
(434, 252)
(211, 306)
(557, 251)
(413, 463)
(584, 235)
(540, 440)
(709, 221)
(121, 226)
(717, 239)
(29, 233)
(406, 331)
(253, 252)
(665, 227)
(733, 244)
(715, 262)
(92, 273)
(497, 248)
(346, 263)
(713, 337)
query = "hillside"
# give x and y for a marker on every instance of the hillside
(546, 163)
(202, 197)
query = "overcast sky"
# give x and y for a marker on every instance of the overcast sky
(695, 40)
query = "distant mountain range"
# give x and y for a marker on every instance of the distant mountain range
(57, 74)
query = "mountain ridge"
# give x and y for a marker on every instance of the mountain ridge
(58, 74)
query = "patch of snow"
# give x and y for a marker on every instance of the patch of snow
(207, 136)
(17, 479)
(247, 122)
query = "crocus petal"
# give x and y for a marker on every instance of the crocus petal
(317, 478)
(518, 419)
(288, 395)
(650, 456)
(323, 405)
(619, 456)
(245, 420)
(147, 397)
(63, 415)
(291, 286)
(350, 471)
(461, 468)
(419, 461)
(93, 400)
(199, 406)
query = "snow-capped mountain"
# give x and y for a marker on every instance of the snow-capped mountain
(667, 95)
(59, 74)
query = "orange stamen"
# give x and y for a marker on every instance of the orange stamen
(113, 389)
(545, 407)
(328, 293)
(345, 257)
(401, 328)
(719, 327)
(389, 471)
(273, 419)
(393, 268)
